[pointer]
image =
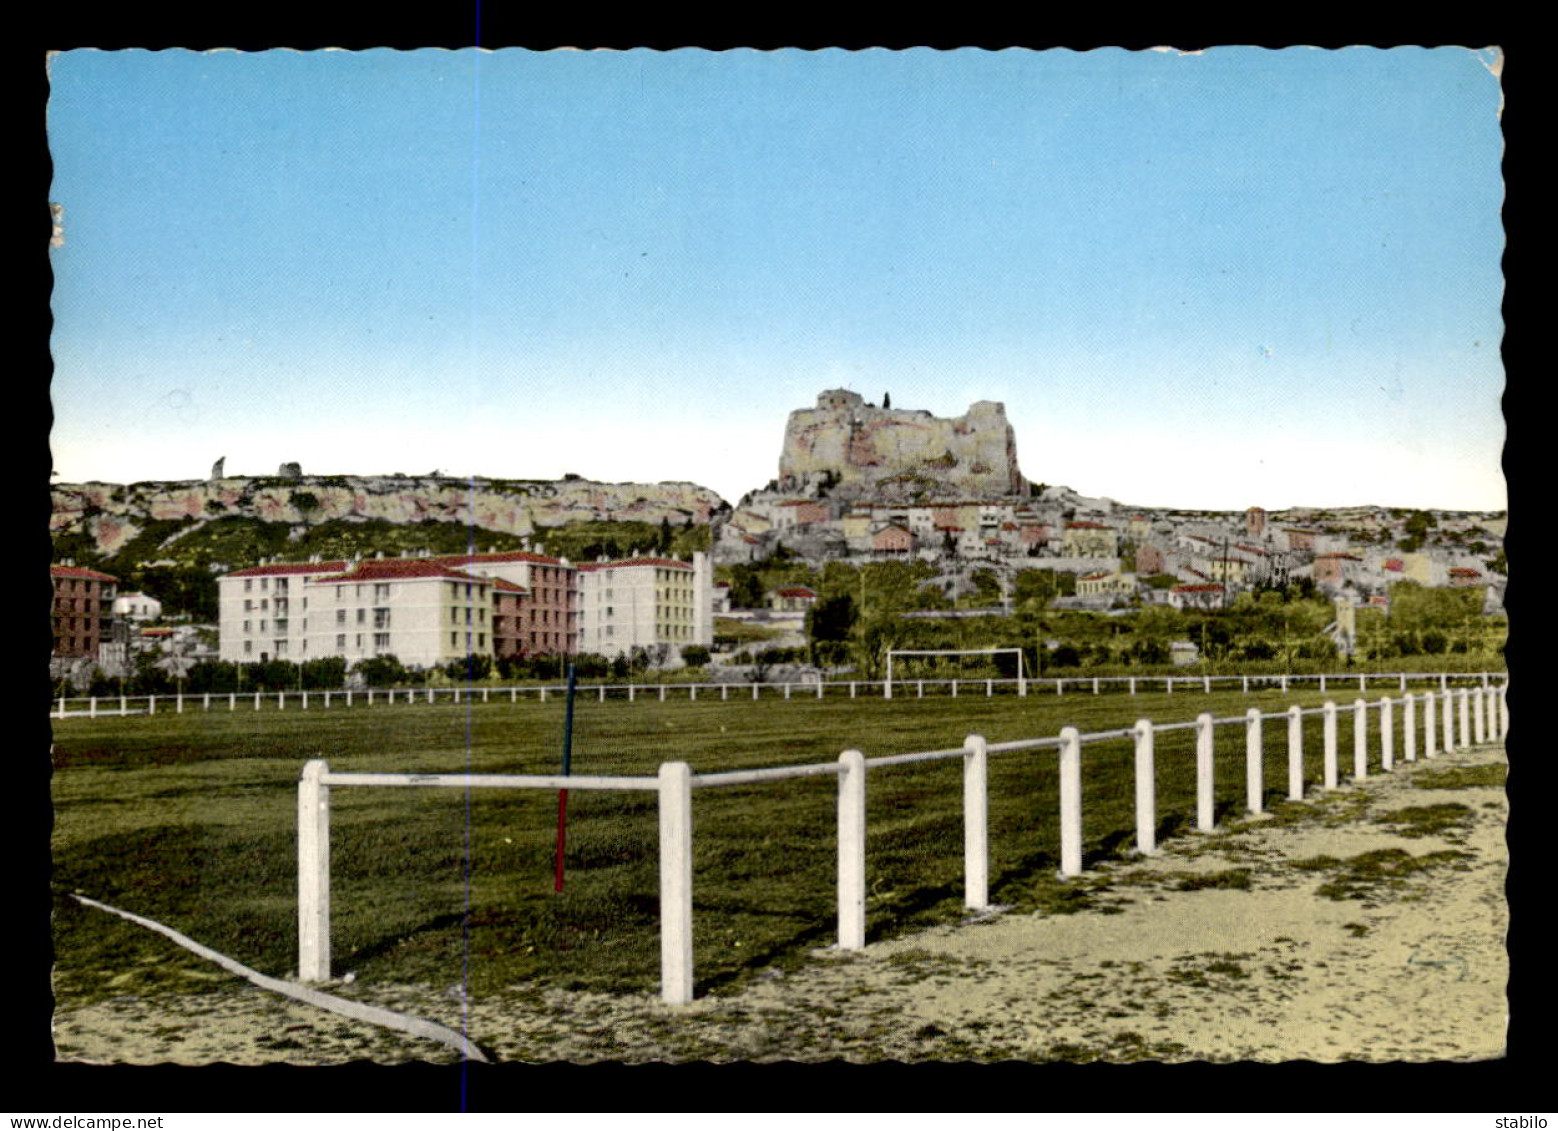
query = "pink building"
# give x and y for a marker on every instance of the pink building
(892, 540)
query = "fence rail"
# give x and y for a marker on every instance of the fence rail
(95, 706)
(1482, 713)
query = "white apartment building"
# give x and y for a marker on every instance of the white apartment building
(263, 610)
(646, 602)
(421, 612)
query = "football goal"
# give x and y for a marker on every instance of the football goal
(1022, 682)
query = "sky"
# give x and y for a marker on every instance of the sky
(1239, 277)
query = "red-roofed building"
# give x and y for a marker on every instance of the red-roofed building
(1463, 576)
(661, 605)
(1336, 569)
(792, 598)
(1205, 596)
(82, 599)
(549, 614)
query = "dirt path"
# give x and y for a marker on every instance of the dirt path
(1366, 924)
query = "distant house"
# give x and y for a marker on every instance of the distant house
(1336, 569)
(137, 607)
(1106, 582)
(1208, 595)
(792, 599)
(892, 539)
(1255, 522)
(799, 512)
(1183, 653)
(1089, 540)
(1461, 576)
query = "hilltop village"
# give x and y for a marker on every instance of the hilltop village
(432, 571)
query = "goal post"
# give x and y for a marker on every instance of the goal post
(887, 688)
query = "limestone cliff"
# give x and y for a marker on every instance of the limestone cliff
(858, 449)
(112, 514)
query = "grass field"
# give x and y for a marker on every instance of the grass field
(191, 820)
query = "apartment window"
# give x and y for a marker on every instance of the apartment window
(467, 615)
(281, 626)
(340, 616)
(381, 591)
(454, 615)
(281, 647)
(362, 615)
(359, 591)
(340, 642)
(381, 640)
(281, 585)
(340, 591)
(264, 583)
(454, 639)
(262, 626)
(248, 604)
(264, 604)
(481, 640)
(359, 640)
(246, 625)
(381, 618)
(248, 647)
(303, 647)
(305, 604)
(248, 584)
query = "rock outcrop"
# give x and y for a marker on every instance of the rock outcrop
(855, 449)
(112, 514)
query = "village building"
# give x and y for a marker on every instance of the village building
(660, 605)
(82, 609)
(1088, 540)
(136, 607)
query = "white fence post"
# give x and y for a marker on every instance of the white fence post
(755, 686)
(1478, 725)
(62, 707)
(1447, 719)
(1254, 771)
(1429, 715)
(1464, 739)
(675, 883)
(281, 700)
(819, 689)
(1295, 753)
(1363, 681)
(1095, 685)
(232, 701)
(724, 691)
(1246, 685)
(1284, 685)
(1403, 682)
(1146, 790)
(92, 707)
(313, 873)
(954, 689)
(1205, 769)
(152, 708)
(1503, 695)
(662, 692)
(1329, 735)
(1322, 685)
(1206, 684)
(1387, 755)
(852, 850)
(976, 823)
(919, 689)
(1133, 685)
(178, 704)
(1409, 727)
(256, 700)
(1070, 802)
(305, 700)
(1360, 739)
(1168, 686)
(1444, 682)
(631, 691)
(989, 688)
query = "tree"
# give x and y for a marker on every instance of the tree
(695, 655)
(887, 400)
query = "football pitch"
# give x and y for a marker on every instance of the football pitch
(191, 820)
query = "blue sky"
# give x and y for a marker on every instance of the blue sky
(1217, 280)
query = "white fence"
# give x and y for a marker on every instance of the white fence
(179, 703)
(1482, 713)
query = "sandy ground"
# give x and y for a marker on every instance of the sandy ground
(1225, 946)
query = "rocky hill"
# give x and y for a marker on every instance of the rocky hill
(108, 516)
(857, 450)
